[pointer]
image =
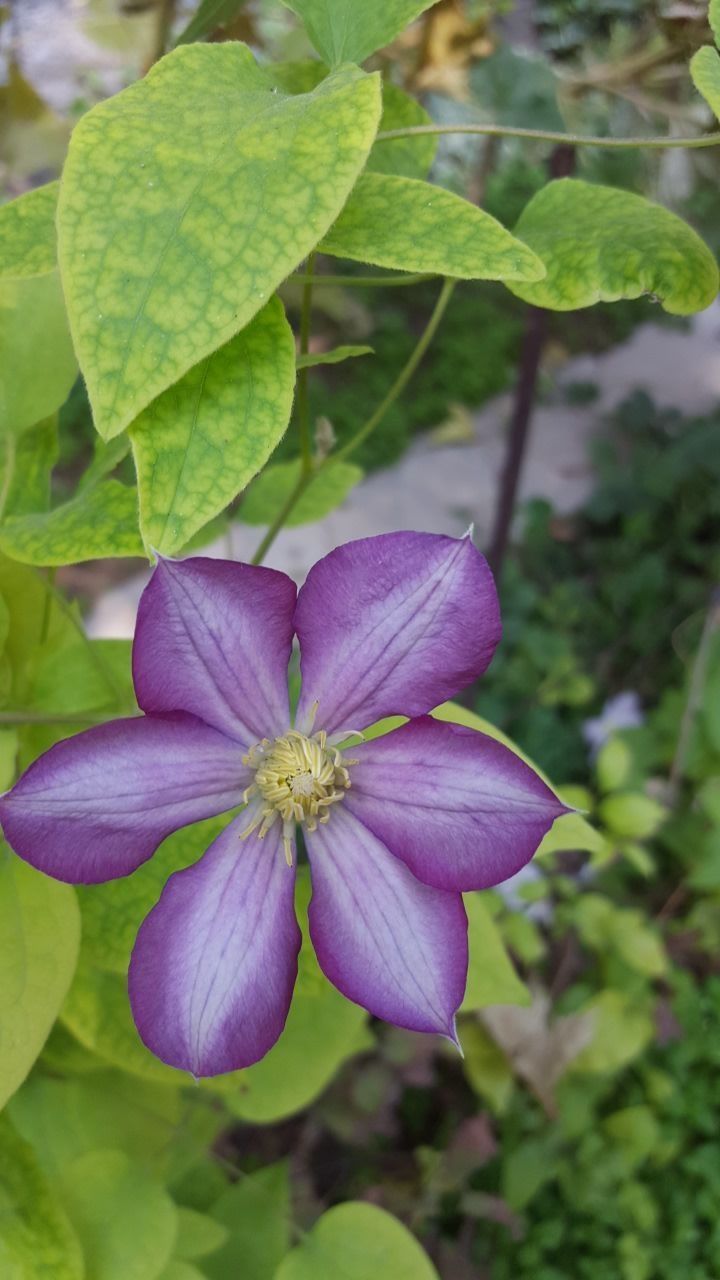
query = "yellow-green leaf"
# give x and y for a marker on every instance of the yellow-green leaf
(100, 522)
(357, 1241)
(705, 72)
(171, 199)
(349, 31)
(410, 225)
(37, 1241)
(39, 940)
(28, 242)
(600, 244)
(336, 356)
(491, 974)
(327, 490)
(205, 438)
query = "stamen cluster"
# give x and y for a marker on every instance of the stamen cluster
(297, 779)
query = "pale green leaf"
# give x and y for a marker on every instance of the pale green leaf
(39, 939)
(170, 203)
(410, 225)
(205, 438)
(28, 243)
(27, 467)
(327, 490)
(37, 361)
(336, 356)
(209, 15)
(37, 1241)
(621, 1030)
(491, 974)
(485, 1065)
(714, 19)
(198, 1234)
(348, 31)
(101, 522)
(357, 1241)
(408, 157)
(257, 1214)
(705, 72)
(125, 1220)
(600, 244)
(106, 457)
(411, 157)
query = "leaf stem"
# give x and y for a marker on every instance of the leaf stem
(403, 377)
(302, 403)
(542, 135)
(364, 282)
(368, 427)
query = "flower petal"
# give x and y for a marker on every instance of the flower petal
(388, 942)
(95, 806)
(461, 810)
(393, 625)
(214, 966)
(214, 638)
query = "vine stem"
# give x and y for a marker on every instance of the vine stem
(364, 282)
(542, 135)
(302, 403)
(368, 427)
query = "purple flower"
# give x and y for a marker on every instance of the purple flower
(395, 827)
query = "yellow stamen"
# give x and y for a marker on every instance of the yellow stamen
(297, 779)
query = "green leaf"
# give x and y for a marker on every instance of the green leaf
(125, 1220)
(97, 523)
(357, 1241)
(170, 202)
(600, 244)
(491, 976)
(39, 940)
(28, 243)
(346, 31)
(37, 361)
(205, 438)
(267, 495)
(37, 1241)
(336, 356)
(256, 1212)
(209, 15)
(27, 468)
(714, 19)
(621, 1031)
(705, 72)
(411, 157)
(198, 1234)
(485, 1065)
(408, 157)
(409, 225)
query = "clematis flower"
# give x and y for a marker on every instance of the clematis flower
(395, 827)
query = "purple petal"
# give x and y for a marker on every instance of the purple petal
(95, 806)
(214, 638)
(393, 625)
(214, 965)
(388, 942)
(461, 810)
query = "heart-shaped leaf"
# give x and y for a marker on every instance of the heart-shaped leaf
(410, 225)
(350, 30)
(186, 199)
(204, 439)
(600, 244)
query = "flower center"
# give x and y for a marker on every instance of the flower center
(297, 779)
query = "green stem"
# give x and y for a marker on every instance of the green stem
(303, 406)
(373, 421)
(364, 282)
(542, 135)
(10, 456)
(163, 27)
(282, 515)
(403, 377)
